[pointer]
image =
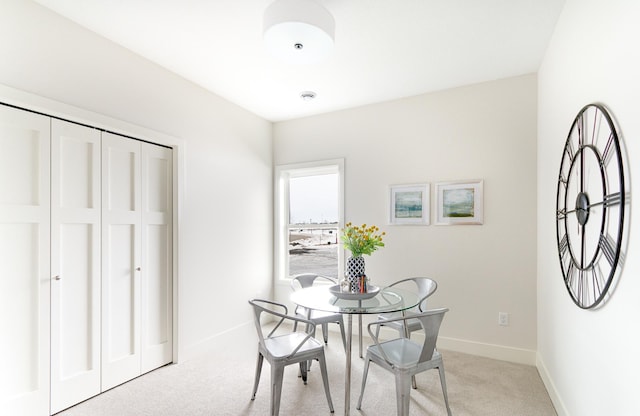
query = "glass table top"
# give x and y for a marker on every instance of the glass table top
(388, 299)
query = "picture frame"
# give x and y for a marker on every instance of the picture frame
(409, 204)
(460, 202)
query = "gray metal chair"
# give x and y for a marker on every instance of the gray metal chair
(425, 288)
(318, 317)
(282, 348)
(406, 358)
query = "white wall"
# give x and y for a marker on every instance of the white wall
(226, 201)
(589, 359)
(485, 131)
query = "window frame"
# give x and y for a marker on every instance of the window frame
(281, 209)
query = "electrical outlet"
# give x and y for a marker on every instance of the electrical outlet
(503, 318)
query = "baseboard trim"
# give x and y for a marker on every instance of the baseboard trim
(222, 340)
(497, 352)
(561, 409)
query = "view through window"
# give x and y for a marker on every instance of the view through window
(313, 224)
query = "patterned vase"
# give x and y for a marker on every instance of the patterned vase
(355, 269)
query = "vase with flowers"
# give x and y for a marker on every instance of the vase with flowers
(359, 240)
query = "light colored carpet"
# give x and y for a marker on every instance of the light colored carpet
(220, 383)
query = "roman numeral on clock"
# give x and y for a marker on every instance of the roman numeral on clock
(608, 250)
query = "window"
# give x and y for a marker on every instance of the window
(309, 213)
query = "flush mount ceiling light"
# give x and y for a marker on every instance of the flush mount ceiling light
(298, 31)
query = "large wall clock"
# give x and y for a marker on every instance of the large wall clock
(590, 206)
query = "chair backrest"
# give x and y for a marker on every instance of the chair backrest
(278, 310)
(303, 280)
(426, 287)
(274, 309)
(430, 322)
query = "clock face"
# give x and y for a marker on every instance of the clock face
(590, 206)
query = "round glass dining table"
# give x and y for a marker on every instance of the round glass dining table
(327, 299)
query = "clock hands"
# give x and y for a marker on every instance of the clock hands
(609, 200)
(585, 208)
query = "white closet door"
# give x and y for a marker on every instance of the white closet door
(121, 259)
(25, 277)
(157, 255)
(75, 261)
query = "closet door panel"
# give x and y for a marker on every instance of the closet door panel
(121, 260)
(75, 251)
(25, 276)
(121, 299)
(157, 272)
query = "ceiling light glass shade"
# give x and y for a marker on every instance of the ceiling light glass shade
(298, 31)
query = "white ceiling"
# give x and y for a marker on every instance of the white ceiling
(384, 49)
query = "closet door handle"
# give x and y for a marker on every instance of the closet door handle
(138, 269)
(57, 277)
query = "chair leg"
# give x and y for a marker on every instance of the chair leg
(325, 380)
(403, 391)
(325, 333)
(344, 338)
(277, 374)
(258, 372)
(364, 381)
(304, 365)
(443, 382)
(313, 334)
